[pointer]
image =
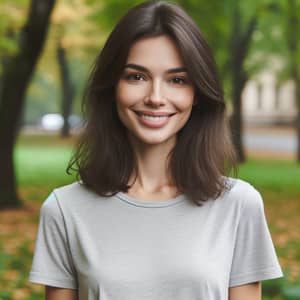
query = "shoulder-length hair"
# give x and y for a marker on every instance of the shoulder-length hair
(203, 154)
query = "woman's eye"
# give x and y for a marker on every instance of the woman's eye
(179, 80)
(136, 77)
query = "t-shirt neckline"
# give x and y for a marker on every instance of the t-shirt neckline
(146, 203)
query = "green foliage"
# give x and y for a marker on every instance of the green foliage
(36, 296)
(112, 11)
(273, 288)
(18, 262)
(292, 292)
(278, 28)
(80, 35)
(225, 23)
(280, 289)
(3, 260)
(12, 17)
(4, 295)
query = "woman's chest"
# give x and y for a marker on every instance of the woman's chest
(190, 249)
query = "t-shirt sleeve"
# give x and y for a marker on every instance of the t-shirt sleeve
(254, 257)
(52, 261)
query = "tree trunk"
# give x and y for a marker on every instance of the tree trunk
(296, 78)
(236, 121)
(298, 118)
(67, 89)
(239, 46)
(294, 49)
(15, 80)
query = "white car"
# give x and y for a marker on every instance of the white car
(54, 122)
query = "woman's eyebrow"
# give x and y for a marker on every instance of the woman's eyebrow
(143, 69)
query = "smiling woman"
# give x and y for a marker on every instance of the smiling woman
(154, 93)
(155, 61)
(155, 214)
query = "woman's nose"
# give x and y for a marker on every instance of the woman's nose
(155, 96)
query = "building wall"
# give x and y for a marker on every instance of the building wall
(264, 101)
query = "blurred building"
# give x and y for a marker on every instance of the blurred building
(266, 102)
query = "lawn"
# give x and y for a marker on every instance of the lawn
(273, 175)
(41, 162)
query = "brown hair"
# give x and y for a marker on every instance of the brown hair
(203, 154)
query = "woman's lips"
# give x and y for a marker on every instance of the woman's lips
(153, 120)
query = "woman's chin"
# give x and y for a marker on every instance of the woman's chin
(155, 140)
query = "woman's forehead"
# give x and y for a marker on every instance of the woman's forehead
(157, 52)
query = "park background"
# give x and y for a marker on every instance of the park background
(47, 49)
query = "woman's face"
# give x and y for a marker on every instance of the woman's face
(154, 95)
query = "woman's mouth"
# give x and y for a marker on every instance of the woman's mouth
(153, 119)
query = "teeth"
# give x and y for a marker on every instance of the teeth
(154, 118)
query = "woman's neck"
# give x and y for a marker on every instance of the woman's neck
(153, 176)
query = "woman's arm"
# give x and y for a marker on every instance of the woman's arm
(250, 291)
(54, 293)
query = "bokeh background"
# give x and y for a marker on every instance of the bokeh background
(47, 49)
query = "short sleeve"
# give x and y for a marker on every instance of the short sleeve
(254, 257)
(52, 261)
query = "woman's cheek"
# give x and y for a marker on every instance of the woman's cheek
(182, 99)
(131, 93)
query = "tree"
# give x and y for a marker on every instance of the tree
(230, 27)
(16, 76)
(67, 87)
(11, 19)
(286, 48)
(239, 45)
(293, 46)
(75, 35)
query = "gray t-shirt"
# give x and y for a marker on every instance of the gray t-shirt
(122, 248)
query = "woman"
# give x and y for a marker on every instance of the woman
(154, 215)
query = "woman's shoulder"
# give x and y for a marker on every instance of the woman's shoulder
(243, 193)
(72, 191)
(71, 187)
(71, 196)
(239, 185)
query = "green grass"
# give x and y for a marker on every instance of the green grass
(276, 176)
(39, 165)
